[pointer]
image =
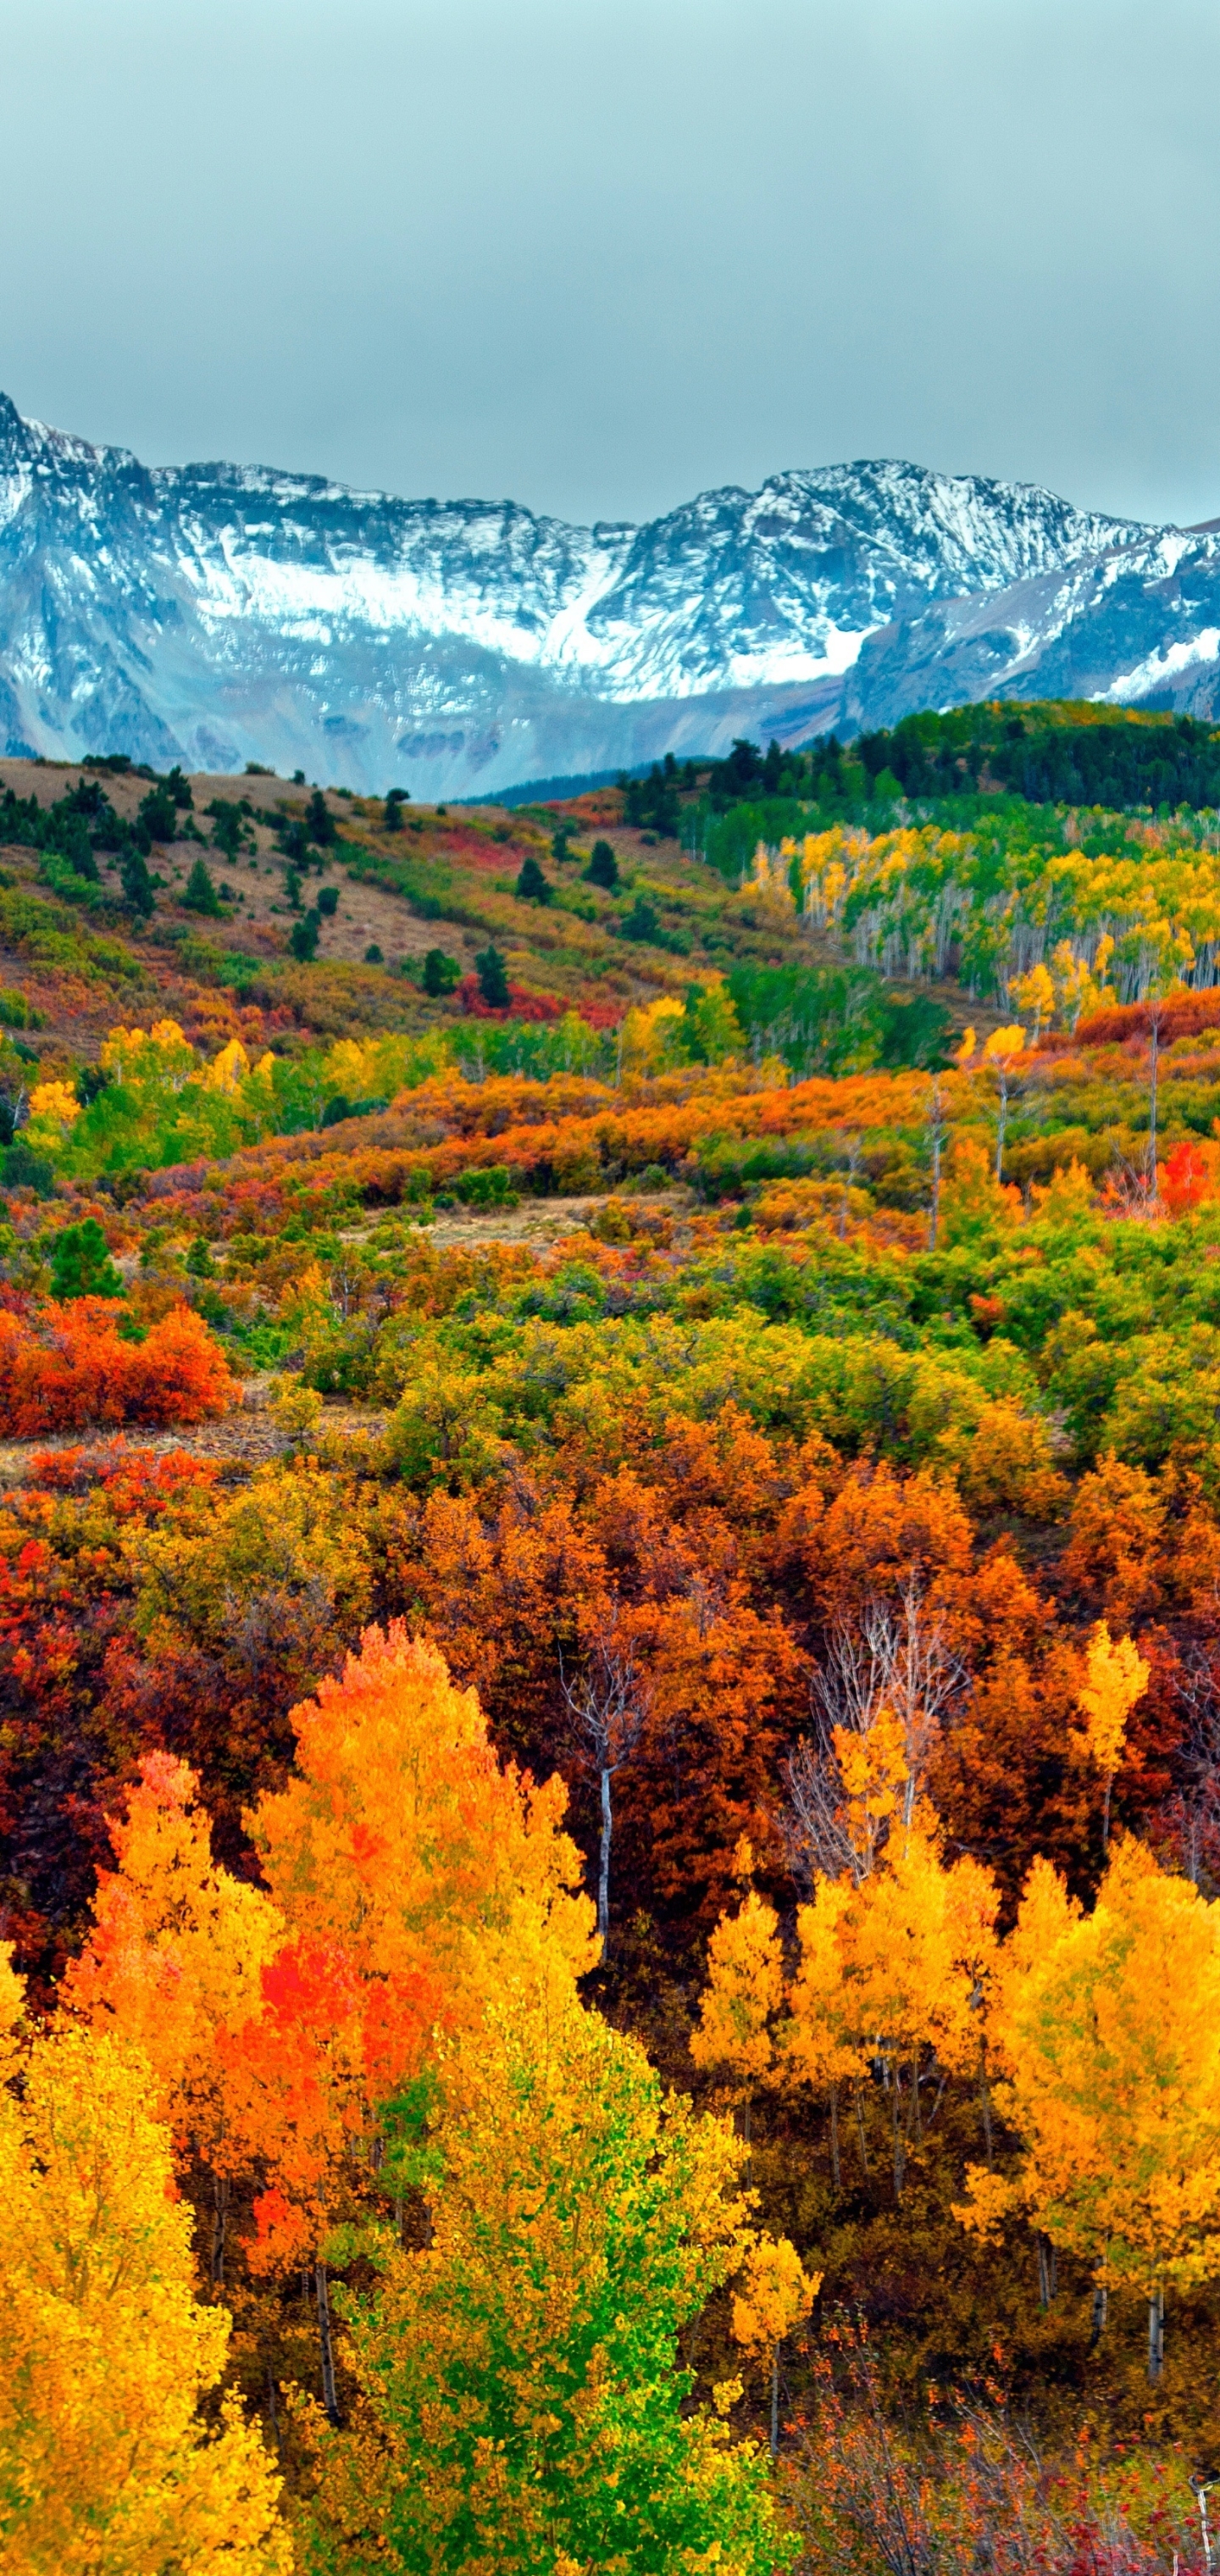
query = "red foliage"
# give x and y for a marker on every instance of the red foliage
(522, 1003)
(1182, 1017)
(69, 1365)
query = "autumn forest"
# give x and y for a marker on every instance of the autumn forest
(610, 1665)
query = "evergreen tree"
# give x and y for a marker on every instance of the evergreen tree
(201, 894)
(138, 891)
(441, 973)
(532, 886)
(493, 978)
(159, 814)
(319, 821)
(305, 936)
(602, 869)
(81, 1265)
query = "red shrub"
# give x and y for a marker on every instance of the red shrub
(68, 1365)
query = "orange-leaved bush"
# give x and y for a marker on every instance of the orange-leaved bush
(68, 1365)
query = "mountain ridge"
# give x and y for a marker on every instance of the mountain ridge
(217, 613)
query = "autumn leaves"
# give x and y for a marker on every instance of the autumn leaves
(380, 2057)
(1095, 2037)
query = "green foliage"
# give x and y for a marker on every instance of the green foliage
(651, 803)
(491, 1186)
(230, 825)
(319, 821)
(200, 894)
(523, 2381)
(81, 1265)
(304, 936)
(442, 974)
(328, 901)
(158, 814)
(642, 922)
(493, 978)
(139, 893)
(602, 869)
(532, 886)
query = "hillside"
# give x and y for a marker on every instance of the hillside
(737, 1278)
(209, 615)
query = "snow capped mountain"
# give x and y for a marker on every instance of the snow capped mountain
(215, 614)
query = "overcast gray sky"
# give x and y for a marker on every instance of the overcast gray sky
(600, 254)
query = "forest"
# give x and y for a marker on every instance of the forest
(610, 1666)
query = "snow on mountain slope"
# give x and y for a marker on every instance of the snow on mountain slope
(215, 613)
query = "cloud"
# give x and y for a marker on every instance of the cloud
(598, 258)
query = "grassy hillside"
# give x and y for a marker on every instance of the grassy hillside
(748, 1244)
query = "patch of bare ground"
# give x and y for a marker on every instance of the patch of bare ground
(239, 1441)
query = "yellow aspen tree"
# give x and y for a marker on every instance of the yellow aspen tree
(820, 2046)
(1035, 995)
(105, 2469)
(744, 1992)
(913, 1945)
(776, 2294)
(1000, 1052)
(1109, 2028)
(1116, 1677)
(175, 1955)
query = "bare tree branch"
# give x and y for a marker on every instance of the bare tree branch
(608, 1707)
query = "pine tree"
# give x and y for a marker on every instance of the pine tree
(200, 894)
(81, 1265)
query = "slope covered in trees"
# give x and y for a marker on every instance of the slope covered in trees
(610, 1689)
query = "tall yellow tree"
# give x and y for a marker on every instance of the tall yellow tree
(1109, 2028)
(175, 1957)
(105, 2469)
(1116, 1677)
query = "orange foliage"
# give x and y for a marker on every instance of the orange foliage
(69, 1365)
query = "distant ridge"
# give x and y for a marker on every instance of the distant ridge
(218, 614)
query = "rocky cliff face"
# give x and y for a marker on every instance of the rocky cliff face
(216, 614)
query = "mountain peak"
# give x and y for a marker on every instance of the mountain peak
(219, 613)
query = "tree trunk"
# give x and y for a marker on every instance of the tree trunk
(1105, 1814)
(834, 2137)
(220, 2220)
(899, 2139)
(1156, 2333)
(603, 1873)
(329, 2398)
(273, 2412)
(775, 2402)
(1152, 1105)
(985, 2101)
(860, 2129)
(1101, 2303)
(1001, 1125)
(1046, 2268)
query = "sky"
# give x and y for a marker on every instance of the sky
(599, 255)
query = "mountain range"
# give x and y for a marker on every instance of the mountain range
(219, 614)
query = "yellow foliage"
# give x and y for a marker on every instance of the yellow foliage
(874, 1771)
(777, 2294)
(104, 2468)
(745, 1987)
(1067, 1195)
(1035, 995)
(648, 1036)
(1004, 1045)
(1079, 989)
(1109, 2026)
(1117, 1678)
(177, 1948)
(53, 1104)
